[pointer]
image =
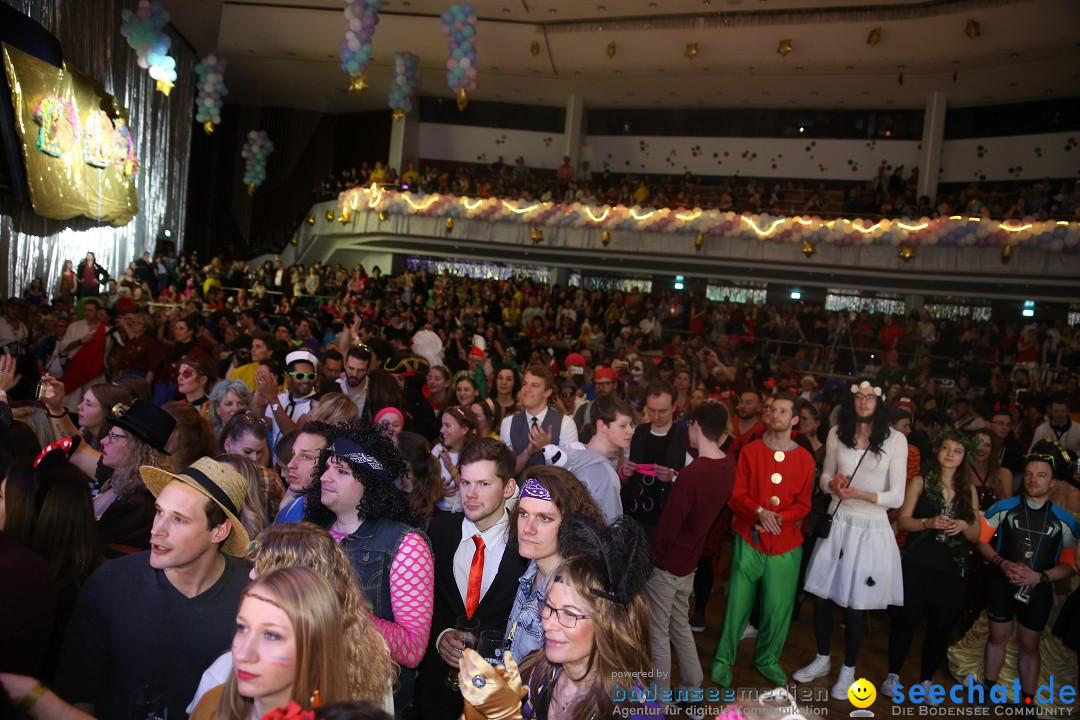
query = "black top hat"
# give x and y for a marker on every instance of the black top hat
(145, 421)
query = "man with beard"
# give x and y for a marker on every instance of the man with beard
(1059, 427)
(773, 483)
(288, 410)
(747, 420)
(354, 383)
(857, 566)
(603, 384)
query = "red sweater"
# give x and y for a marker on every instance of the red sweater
(755, 487)
(695, 501)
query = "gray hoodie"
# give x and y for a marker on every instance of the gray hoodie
(594, 471)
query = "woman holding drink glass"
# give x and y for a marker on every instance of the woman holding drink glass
(940, 515)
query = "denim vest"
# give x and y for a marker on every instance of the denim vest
(371, 550)
(524, 631)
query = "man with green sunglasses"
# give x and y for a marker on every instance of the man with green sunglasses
(288, 410)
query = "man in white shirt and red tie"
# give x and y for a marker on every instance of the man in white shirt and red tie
(476, 571)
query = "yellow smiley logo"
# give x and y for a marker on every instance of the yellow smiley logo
(862, 693)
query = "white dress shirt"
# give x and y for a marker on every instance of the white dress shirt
(567, 431)
(495, 539)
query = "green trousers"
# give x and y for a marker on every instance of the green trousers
(779, 577)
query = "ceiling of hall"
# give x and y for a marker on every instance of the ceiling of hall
(285, 52)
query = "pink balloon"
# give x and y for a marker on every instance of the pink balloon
(451, 63)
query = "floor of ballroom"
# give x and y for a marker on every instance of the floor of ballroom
(800, 649)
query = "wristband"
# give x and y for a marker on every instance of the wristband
(30, 699)
(56, 417)
(1044, 577)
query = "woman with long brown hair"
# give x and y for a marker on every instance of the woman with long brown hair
(991, 481)
(941, 516)
(548, 494)
(458, 430)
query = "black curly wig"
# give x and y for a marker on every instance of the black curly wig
(381, 498)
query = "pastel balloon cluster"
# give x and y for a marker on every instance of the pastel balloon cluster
(145, 32)
(405, 71)
(1057, 236)
(459, 24)
(212, 90)
(361, 17)
(256, 150)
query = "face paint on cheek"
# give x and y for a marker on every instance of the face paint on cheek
(282, 660)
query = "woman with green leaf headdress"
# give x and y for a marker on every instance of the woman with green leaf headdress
(941, 516)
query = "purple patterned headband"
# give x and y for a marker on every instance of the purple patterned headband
(533, 489)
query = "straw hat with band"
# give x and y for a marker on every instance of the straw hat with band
(226, 487)
(145, 421)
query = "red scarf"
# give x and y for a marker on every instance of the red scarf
(88, 362)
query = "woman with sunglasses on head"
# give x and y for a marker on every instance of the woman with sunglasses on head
(245, 435)
(548, 495)
(458, 430)
(368, 668)
(596, 634)
(136, 435)
(355, 498)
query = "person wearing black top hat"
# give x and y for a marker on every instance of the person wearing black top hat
(135, 435)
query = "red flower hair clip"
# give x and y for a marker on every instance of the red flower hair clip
(291, 711)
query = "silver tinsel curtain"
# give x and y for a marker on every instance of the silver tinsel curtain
(89, 33)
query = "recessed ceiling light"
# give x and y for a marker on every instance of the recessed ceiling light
(553, 11)
(1012, 85)
(652, 5)
(988, 97)
(814, 93)
(577, 72)
(764, 92)
(799, 68)
(506, 11)
(672, 94)
(865, 92)
(849, 68)
(601, 8)
(1014, 54)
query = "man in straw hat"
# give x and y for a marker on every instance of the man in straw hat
(159, 618)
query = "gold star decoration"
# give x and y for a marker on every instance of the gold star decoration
(346, 216)
(208, 127)
(605, 238)
(310, 219)
(449, 224)
(534, 48)
(785, 48)
(691, 50)
(537, 235)
(699, 241)
(808, 248)
(972, 29)
(874, 37)
(251, 189)
(611, 49)
(1006, 254)
(462, 99)
(906, 253)
(398, 114)
(329, 216)
(357, 84)
(164, 87)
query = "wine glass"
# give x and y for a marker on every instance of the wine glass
(467, 632)
(490, 647)
(148, 703)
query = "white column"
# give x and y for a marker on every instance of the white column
(405, 140)
(933, 135)
(575, 121)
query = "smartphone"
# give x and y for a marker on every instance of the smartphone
(41, 387)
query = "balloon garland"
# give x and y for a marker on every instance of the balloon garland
(256, 151)
(459, 24)
(361, 17)
(145, 33)
(807, 231)
(403, 83)
(212, 91)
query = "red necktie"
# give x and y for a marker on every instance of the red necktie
(476, 577)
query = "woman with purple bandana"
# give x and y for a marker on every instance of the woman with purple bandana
(548, 494)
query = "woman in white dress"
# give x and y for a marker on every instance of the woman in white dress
(858, 565)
